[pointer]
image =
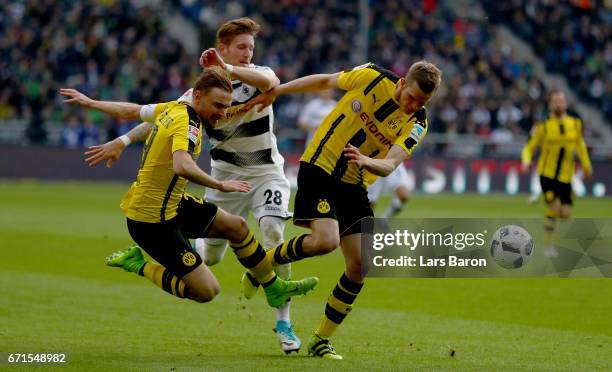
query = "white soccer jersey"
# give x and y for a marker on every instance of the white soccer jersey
(244, 142)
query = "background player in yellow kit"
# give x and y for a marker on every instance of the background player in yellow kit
(559, 136)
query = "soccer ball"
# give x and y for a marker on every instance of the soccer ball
(511, 246)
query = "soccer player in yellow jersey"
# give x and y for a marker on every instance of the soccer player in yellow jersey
(161, 218)
(374, 127)
(559, 136)
(243, 147)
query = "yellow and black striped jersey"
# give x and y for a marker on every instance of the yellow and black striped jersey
(367, 117)
(559, 138)
(155, 195)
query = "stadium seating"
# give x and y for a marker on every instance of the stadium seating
(488, 92)
(121, 50)
(572, 37)
(109, 49)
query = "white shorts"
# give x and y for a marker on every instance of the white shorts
(269, 195)
(384, 185)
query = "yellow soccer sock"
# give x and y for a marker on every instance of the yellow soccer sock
(289, 251)
(550, 220)
(339, 304)
(253, 257)
(164, 279)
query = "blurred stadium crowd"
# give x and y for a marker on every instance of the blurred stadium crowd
(571, 38)
(121, 50)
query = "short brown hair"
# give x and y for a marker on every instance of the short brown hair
(554, 91)
(213, 77)
(426, 74)
(229, 30)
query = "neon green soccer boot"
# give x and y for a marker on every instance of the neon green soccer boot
(281, 290)
(130, 260)
(248, 285)
(322, 348)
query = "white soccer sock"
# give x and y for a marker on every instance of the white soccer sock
(395, 207)
(199, 247)
(283, 312)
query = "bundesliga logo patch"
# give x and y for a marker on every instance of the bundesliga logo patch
(193, 133)
(417, 131)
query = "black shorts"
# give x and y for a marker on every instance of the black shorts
(319, 195)
(168, 242)
(553, 189)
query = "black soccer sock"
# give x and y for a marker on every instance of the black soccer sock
(253, 257)
(164, 279)
(339, 304)
(289, 251)
(550, 220)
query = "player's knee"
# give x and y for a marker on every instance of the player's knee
(239, 229)
(203, 297)
(206, 293)
(272, 231)
(564, 214)
(326, 243)
(241, 225)
(554, 210)
(403, 195)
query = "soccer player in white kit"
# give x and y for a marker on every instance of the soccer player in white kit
(244, 148)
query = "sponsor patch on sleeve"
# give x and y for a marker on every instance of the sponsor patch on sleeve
(193, 133)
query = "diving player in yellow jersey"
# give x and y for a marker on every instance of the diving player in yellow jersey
(374, 127)
(161, 218)
(242, 147)
(559, 136)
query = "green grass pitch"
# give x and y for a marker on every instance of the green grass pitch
(57, 296)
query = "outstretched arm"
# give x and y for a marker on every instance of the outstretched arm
(121, 110)
(306, 84)
(261, 79)
(186, 167)
(380, 167)
(111, 151)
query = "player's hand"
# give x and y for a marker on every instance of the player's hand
(525, 168)
(110, 151)
(264, 100)
(210, 57)
(354, 156)
(74, 96)
(588, 175)
(235, 186)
